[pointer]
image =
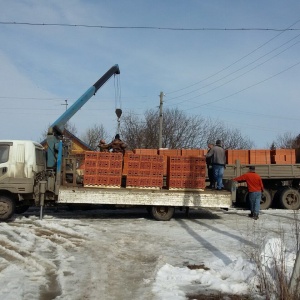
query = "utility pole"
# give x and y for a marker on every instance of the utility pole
(161, 96)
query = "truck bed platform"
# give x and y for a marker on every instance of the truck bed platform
(151, 197)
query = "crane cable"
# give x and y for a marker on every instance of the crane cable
(118, 102)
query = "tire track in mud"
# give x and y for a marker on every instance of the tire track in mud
(40, 250)
(125, 263)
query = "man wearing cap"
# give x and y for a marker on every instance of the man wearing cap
(217, 153)
(255, 189)
(209, 164)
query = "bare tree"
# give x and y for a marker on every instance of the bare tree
(94, 134)
(179, 131)
(69, 126)
(132, 130)
(287, 140)
(233, 139)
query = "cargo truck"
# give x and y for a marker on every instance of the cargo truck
(29, 176)
(281, 184)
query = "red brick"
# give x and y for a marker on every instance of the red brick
(283, 156)
(90, 171)
(133, 165)
(133, 157)
(103, 164)
(104, 155)
(170, 152)
(145, 151)
(116, 164)
(89, 180)
(91, 155)
(132, 181)
(90, 164)
(192, 152)
(145, 165)
(241, 155)
(259, 156)
(132, 172)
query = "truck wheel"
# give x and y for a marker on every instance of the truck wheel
(266, 200)
(162, 213)
(7, 208)
(290, 199)
(242, 196)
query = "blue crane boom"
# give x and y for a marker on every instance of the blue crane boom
(56, 129)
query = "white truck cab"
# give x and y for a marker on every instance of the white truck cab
(21, 162)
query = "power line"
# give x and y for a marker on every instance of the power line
(239, 76)
(148, 27)
(30, 98)
(235, 111)
(235, 62)
(246, 88)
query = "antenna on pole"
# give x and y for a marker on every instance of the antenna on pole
(66, 104)
(161, 96)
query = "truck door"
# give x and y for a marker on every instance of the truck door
(4, 159)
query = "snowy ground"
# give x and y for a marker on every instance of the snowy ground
(123, 254)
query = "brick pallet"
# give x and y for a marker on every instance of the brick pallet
(186, 173)
(144, 171)
(103, 169)
(283, 156)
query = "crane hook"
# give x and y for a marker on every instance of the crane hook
(119, 112)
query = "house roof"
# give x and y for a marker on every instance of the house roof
(73, 137)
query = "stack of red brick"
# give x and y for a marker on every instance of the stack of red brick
(103, 169)
(144, 171)
(283, 156)
(186, 172)
(261, 157)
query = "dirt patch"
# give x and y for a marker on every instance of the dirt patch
(197, 267)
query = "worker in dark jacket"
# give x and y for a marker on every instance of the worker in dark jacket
(219, 161)
(103, 146)
(117, 145)
(209, 164)
(255, 189)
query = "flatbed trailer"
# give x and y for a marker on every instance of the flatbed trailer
(160, 203)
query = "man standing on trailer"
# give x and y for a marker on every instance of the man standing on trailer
(117, 145)
(255, 189)
(217, 153)
(209, 163)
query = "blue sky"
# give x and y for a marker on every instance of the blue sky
(249, 79)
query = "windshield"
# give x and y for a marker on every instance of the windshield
(4, 151)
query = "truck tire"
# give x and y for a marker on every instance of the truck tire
(162, 213)
(242, 196)
(289, 198)
(7, 207)
(266, 200)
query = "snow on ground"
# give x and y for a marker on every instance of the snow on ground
(123, 254)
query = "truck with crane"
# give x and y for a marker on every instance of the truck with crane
(31, 176)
